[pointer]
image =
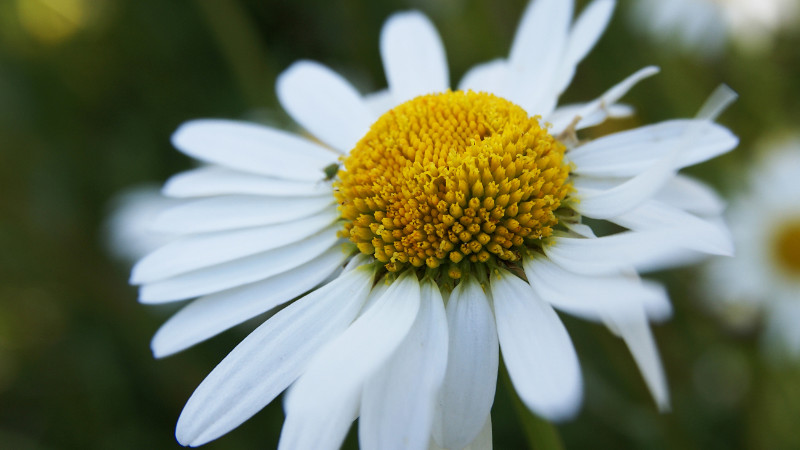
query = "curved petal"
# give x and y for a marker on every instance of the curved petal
(536, 53)
(636, 333)
(238, 272)
(692, 232)
(587, 296)
(196, 251)
(253, 148)
(472, 359)
(482, 442)
(585, 33)
(322, 403)
(611, 254)
(324, 103)
(486, 77)
(413, 57)
(537, 350)
(691, 195)
(270, 358)
(236, 211)
(628, 153)
(213, 314)
(215, 180)
(397, 405)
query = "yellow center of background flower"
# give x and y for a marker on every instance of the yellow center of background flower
(452, 178)
(786, 247)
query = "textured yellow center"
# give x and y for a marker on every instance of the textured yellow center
(452, 178)
(786, 247)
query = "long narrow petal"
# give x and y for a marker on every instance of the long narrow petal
(486, 77)
(413, 57)
(616, 92)
(253, 148)
(610, 254)
(691, 195)
(203, 250)
(588, 296)
(324, 103)
(236, 211)
(536, 53)
(694, 233)
(636, 333)
(565, 115)
(323, 402)
(270, 358)
(238, 272)
(216, 180)
(628, 153)
(213, 314)
(537, 350)
(397, 405)
(472, 360)
(585, 33)
(482, 442)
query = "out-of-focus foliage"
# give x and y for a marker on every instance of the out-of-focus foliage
(90, 91)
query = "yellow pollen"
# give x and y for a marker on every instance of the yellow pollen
(452, 177)
(786, 247)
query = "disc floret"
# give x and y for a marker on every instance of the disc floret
(447, 179)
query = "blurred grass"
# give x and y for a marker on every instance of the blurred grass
(86, 114)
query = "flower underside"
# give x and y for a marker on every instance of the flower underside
(450, 179)
(786, 247)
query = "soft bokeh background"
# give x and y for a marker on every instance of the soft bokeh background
(90, 91)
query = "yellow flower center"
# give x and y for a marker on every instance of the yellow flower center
(452, 178)
(786, 247)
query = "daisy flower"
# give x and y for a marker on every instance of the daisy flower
(127, 232)
(705, 25)
(425, 231)
(764, 277)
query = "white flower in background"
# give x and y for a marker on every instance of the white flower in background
(764, 276)
(430, 229)
(706, 25)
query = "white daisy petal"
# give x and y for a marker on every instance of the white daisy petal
(413, 57)
(215, 180)
(253, 148)
(379, 102)
(536, 53)
(202, 250)
(616, 92)
(397, 405)
(322, 403)
(694, 233)
(210, 315)
(236, 211)
(537, 350)
(486, 77)
(565, 115)
(610, 254)
(627, 195)
(270, 358)
(324, 103)
(691, 195)
(482, 442)
(587, 296)
(240, 271)
(472, 360)
(637, 335)
(585, 33)
(628, 153)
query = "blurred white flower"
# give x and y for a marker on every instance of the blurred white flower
(452, 221)
(705, 26)
(763, 279)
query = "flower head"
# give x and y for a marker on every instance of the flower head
(764, 276)
(433, 228)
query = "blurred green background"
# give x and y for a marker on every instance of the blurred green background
(90, 91)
